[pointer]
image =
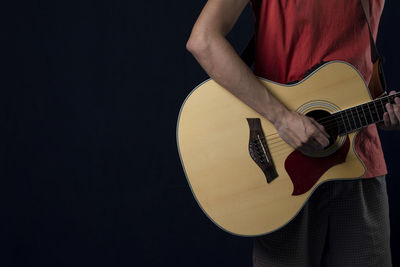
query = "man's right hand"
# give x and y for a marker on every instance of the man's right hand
(301, 132)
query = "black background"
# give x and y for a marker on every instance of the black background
(90, 174)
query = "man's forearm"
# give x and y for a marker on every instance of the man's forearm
(222, 63)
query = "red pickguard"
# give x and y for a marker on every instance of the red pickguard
(305, 171)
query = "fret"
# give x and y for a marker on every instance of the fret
(375, 112)
(388, 99)
(344, 128)
(370, 113)
(383, 107)
(349, 121)
(384, 100)
(354, 114)
(365, 117)
(361, 116)
(352, 121)
(383, 104)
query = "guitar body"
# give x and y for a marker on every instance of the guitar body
(213, 142)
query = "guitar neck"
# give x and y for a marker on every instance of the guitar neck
(357, 117)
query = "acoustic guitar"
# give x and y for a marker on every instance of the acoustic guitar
(245, 178)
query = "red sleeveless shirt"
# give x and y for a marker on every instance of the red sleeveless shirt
(294, 35)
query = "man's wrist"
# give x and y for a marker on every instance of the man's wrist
(276, 115)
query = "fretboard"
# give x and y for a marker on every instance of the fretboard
(357, 117)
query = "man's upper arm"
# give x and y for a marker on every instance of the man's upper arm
(219, 16)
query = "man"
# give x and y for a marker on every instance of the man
(345, 220)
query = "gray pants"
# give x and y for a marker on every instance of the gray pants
(346, 221)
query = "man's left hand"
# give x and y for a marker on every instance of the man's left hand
(391, 118)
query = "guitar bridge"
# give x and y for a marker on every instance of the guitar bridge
(259, 150)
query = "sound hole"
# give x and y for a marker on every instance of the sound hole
(328, 121)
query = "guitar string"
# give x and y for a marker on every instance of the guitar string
(328, 127)
(334, 124)
(362, 106)
(332, 118)
(273, 145)
(389, 99)
(346, 121)
(354, 125)
(276, 150)
(280, 141)
(277, 144)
